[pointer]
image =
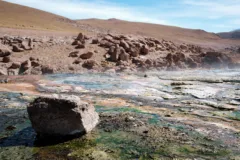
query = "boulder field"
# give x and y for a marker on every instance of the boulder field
(26, 55)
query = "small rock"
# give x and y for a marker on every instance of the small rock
(89, 64)
(77, 61)
(6, 59)
(124, 56)
(26, 65)
(124, 45)
(13, 72)
(144, 50)
(3, 72)
(74, 54)
(15, 65)
(80, 46)
(35, 63)
(32, 59)
(4, 52)
(95, 41)
(87, 55)
(17, 49)
(47, 69)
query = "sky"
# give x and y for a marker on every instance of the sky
(210, 15)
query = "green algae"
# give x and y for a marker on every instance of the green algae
(116, 109)
(234, 115)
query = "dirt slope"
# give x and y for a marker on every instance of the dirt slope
(17, 16)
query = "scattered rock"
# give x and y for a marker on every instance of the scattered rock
(89, 64)
(144, 50)
(95, 41)
(62, 116)
(115, 55)
(17, 49)
(35, 63)
(13, 72)
(124, 45)
(36, 70)
(74, 54)
(77, 61)
(3, 71)
(6, 59)
(4, 52)
(47, 69)
(15, 65)
(124, 56)
(80, 37)
(26, 45)
(87, 55)
(32, 59)
(80, 46)
(26, 65)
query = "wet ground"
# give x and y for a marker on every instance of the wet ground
(164, 115)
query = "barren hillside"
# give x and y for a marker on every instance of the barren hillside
(17, 16)
(154, 30)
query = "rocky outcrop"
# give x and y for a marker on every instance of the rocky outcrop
(64, 116)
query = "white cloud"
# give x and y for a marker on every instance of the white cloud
(218, 8)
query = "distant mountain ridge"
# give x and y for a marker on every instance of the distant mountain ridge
(230, 35)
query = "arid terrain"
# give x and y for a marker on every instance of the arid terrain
(161, 92)
(47, 43)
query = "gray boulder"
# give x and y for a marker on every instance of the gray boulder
(64, 116)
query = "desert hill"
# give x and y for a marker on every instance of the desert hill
(152, 30)
(17, 16)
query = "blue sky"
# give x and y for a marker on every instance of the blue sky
(209, 15)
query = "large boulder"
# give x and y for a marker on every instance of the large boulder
(64, 116)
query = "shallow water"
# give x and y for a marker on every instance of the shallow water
(190, 114)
